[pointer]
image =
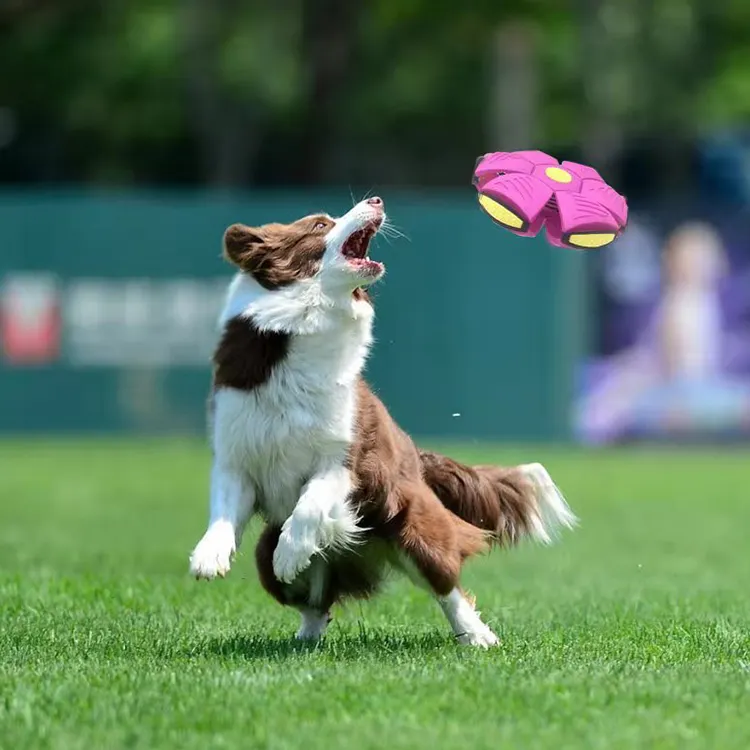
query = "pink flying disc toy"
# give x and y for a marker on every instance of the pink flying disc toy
(526, 190)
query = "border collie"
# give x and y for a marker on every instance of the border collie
(299, 438)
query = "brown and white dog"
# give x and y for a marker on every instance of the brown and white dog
(298, 437)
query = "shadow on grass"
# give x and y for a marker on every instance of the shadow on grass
(339, 647)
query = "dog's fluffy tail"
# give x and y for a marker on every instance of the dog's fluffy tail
(509, 503)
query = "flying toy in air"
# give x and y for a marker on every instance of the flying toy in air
(524, 191)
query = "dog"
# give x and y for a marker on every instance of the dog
(298, 437)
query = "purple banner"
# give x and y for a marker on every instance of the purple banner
(671, 332)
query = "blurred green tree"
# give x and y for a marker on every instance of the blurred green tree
(226, 92)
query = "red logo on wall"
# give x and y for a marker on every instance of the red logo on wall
(30, 320)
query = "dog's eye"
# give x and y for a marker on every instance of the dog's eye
(320, 225)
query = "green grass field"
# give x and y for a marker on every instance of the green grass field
(632, 632)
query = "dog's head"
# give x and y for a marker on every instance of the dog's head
(332, 251)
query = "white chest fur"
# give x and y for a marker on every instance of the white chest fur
(302, 418)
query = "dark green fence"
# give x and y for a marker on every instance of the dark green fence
(109, 303)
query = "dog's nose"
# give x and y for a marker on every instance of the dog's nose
(375, 201)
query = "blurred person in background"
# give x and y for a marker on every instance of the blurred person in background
(689, 317)
(672, 381)
(693, 392)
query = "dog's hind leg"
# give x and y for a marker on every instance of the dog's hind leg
(306, 596)
(433, 546)
(313, 625)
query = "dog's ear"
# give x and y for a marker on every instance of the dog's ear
(244, 246)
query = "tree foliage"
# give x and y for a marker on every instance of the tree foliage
(228, 92)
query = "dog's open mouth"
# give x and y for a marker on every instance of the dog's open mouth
(355, 250)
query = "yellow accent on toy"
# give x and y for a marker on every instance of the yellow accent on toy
(591, 240)
(558, 175)
(499, 213)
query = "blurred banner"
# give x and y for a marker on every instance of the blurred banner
(109, 322)
(109, 305)
(671, 331)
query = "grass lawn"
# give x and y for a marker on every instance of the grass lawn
(632, 632)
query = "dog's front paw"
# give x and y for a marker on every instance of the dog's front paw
(213, 555)
(290, 558)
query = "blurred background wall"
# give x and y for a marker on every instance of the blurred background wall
(133, 132)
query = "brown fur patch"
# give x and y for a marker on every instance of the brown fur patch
(499, 500)
(361, 295)
(264, 548)
(245, 355)
(397, 503)
(277, 255)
